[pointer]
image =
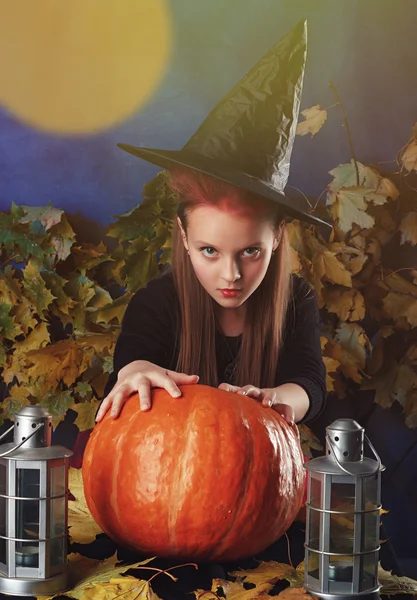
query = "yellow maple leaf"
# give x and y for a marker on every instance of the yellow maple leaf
(86, 412)
(128, 588)
(392, 584)
(267, 572)
(409, 157)
(326, 265)
(388, 189)
(332, 365)
(346, 176)
(292, 593)
(234, 590)
(348, 207)
(398, 306)
(408, 228)
(38, 338)
(83, 528)
(354, 339)
(18, 398)
(314, 119)
(85, 573)
(352, 257)
(348, 305)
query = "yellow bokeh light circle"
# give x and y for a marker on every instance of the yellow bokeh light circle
(80, 66)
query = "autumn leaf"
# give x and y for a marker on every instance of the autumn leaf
(86, 412)
(115, 310)
(85, 573)
(47, 215)
(409, 157)
(398, 306)
(332, 365)
(314, 119)
(292, 593)
(87, 256)
(348, 207)
(56, 284)
(17, 398)
(388, 189)
(326, 265)
(295, 264)
(353, 258)
(62, 238)
(382, 384)
(354, 340)
(82, 527)
(57, 403)
(234, 590)
(35, 288)
(9, 329)
(345, 176)
(408, 228)
(348, 305)
(392, 584)
(38, 338)
(308, 441)
(266, 572)
(128, 588)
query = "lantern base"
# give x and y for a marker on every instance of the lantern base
(373, 595)
(15, 586)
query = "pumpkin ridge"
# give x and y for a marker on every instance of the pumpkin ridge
(180, 490)
(247, 480)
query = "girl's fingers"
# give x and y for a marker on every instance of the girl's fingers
(182, 378)
(228, 387)
(251, 391)
(144, 392)
(286, 411)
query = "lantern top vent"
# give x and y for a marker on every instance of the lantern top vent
(345, 438)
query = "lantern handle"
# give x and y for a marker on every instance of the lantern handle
(38, 426)
(339, 464)
(374, 452)
(329, 441)
(3, 435)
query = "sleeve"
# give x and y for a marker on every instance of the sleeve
(148, 328)
(301, 359)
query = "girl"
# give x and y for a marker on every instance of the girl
(229, 313)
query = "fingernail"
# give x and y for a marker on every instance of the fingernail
(196, 377)
(176, 394)
(242, 392)
(145, 407)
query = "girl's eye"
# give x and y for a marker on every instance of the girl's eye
(251, 251)
(208, 251)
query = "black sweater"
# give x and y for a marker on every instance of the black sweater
(150, 332)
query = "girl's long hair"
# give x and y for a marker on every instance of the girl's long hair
(265, 317)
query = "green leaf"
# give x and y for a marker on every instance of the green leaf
(56, 284)
(8, 328)
(36, 289)
(47, 215)
(17, 239)
(140, 265)
(57, 404)
(83, 389)
(113, 311)
(88, 256)
(62, 238)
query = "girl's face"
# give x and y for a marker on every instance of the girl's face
(230, 253)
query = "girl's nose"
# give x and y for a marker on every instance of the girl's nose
(230, 271)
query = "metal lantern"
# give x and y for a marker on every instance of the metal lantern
(33, 508)
(343, 516)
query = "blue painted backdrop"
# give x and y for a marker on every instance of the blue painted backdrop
(365, 47)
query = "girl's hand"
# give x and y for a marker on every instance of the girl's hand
(267, 396)
(140, 376)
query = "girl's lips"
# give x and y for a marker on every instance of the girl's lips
(230, 293)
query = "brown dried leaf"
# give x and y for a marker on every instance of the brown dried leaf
(82, 527)
(348, 206)
(408, 228)
(314, 119)
(266, 572)
(409, 157)
(327, 266)
(348, 305)
(332, 365)
(234, 590)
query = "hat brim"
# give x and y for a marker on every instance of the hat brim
(168, 159)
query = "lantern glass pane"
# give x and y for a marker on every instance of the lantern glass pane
(57, 516)
(314, 529)
(370, 531)
(371, 487)
(343, 495)
(315, 491)
(341, 569)
(57, 530)
(370, 569)
(27, 517)
(3, 522)
(313, 560)
(341, 532)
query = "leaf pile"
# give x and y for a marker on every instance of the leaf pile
(62, 301)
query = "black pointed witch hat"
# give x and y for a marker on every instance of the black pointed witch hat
(247, 139)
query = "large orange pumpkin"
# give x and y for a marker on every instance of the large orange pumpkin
(212, 475)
